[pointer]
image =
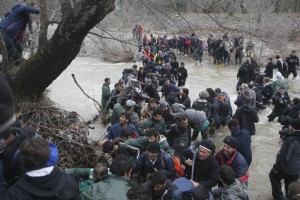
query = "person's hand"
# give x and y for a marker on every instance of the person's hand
(188, 162)
(101, 142)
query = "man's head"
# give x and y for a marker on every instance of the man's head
(153, 150)
(130, 105)
(294, 191)
(158, 181)
(152, 103)
(206, 148)
(277, 57)
(182, 64)
(124, 118)
(153, 135)
(167, 82)
(100, 172)
(282, 90)
(122, 166)
(118, 87)
(233, 125)
(139, 193)
(201, 193)
(227, 175)
(293, 53)
(184, 92)
(157, 114)
(126, 134)
(107, 81)
(35, 153)
(294, 125)
(183, 122)
(231, 144)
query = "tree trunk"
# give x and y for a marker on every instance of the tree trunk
(39, 71)
(43, 24)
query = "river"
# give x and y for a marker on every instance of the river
(90, 73)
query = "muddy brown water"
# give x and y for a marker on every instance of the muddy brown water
(90, 73)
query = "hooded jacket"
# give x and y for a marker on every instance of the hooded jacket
(195, 117)
(247, 116)
(178, 138)
(235, 191)
(57, 185)
(17, 20)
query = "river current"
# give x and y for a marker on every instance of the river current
(90, 74)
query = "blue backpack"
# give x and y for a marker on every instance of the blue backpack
(185, 188)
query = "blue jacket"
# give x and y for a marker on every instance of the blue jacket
(167, 90)
(236, 161)
(244, 138)
(116, 129)
(18, 18)
(163, 163)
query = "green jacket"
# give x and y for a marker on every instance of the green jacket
(105, 95)
(112, 188)
(118, 109)
(142, 143)
(82, 173)
(149, 123)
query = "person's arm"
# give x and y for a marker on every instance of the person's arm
(29, 9)
(140, 143)
(78, 172)
(256, 119)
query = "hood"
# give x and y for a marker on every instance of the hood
(49, 186)
(196, 117)
(237, 190)
(177, 107)
(247, 108)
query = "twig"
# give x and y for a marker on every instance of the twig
(100, 107)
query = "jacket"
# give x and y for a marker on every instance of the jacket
(235, 191)
(247, 116)
(236, 161)
(245, 72)
(182, 73)
(112, 188)
(143, 142)
(105, 94)
(152, 92)
(186, 101)
(288, 157)
(115, 131)
(163, 163)
(17, 20)
(149, 123)
(178, 138)
(82, 173)
(117, 110)
(57, 185)
(206, 172)
(167, 192)
(245, 149)
(166, 90)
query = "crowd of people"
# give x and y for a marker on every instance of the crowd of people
(158, 145)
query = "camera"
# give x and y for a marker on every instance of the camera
(284, 133)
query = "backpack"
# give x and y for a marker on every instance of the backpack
(224, 109)
(187, 41)
(184, 188)
(244, 68)
(285, 66)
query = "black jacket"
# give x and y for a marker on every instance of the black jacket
(288, 157)
(55, 186)
(178, 137)
(247, 116)
(206, 172)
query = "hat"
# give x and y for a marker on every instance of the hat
(207, 145)
(53, 157)
(7, 117)
(278, 75)
(153, 147)
(232, 142)
(270, 58)
(163, 104)
(130, 103)
(244, 86)
(295, 123)
(296, 101)
(204, 94)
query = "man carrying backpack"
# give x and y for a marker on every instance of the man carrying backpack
(245, 73)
